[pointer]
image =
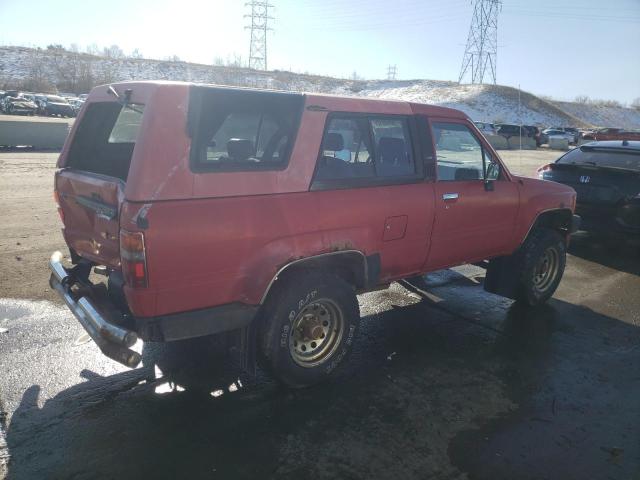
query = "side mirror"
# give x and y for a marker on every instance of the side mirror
(488, 185)
(491, 175)
(493, 171)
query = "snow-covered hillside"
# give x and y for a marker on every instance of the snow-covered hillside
(21, 67)
(603, 116)
(487, 103)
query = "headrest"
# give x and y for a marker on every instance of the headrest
(239, 149)
(392, 150)
(333, 142)
(467, 174)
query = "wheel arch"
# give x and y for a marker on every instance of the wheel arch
(353, 266)
(558, 219)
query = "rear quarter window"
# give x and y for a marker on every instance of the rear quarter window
(242, 130)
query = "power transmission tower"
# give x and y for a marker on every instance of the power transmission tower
(481, 52)
(259, 27)
(391, 72)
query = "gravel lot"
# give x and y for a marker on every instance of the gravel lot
(454, 383)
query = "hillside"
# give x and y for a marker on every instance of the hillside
(33, 69)
(601, 115)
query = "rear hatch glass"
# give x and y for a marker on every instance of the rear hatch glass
(599, 176)
(105, 138)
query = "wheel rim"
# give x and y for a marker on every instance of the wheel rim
(316, 333)
(546, 270)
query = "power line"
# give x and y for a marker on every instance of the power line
(259, 27)
(481, 52)
(391, 72)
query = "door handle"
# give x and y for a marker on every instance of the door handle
(449, 196)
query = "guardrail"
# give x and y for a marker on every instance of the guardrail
(42, 135)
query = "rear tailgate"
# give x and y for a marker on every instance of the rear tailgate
(90, 204)
(593, 184)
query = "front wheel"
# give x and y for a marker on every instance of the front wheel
(542, 262)
(308, 327)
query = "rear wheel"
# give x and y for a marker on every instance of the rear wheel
(308, 327)
(542, 262)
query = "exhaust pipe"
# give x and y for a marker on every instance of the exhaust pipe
(113, 340)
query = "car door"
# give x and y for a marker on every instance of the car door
(369, 191)
(476, 201)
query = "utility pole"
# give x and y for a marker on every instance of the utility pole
(259, 26)
(481, 52)
(391, 72)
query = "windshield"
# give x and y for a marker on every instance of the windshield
(602, 158)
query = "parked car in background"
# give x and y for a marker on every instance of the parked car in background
(76, 104)
(550, 132)
(19, 106)
(56, 105)
(211, 209)
(612, 134)
(83, 96)
(508, 130)
(533, 132)
(606, 178)
(574, 131)
(4, 95)
(486, 128)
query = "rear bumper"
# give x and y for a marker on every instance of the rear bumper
(113, 340)
(114, 333)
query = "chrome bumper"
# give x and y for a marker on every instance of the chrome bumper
(113, 340)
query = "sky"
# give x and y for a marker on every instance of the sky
(560, 49)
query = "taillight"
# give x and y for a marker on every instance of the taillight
(542, 170)
(133, 259)
(56, 198)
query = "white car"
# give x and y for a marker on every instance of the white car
(550, 132)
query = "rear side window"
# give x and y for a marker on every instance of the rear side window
(239, 130)
(363, 147)
(602, 158)
(105, 138)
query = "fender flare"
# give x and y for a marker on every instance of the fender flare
(370, 266)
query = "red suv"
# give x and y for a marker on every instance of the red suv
(612, 134)
(209, 209)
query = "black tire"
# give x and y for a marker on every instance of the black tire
(314, 311)
(543, 247)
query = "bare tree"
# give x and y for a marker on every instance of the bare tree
(136, 54)
(636, 103)
(114, 51)
(93, 49)
(38, 77)
(582, 99)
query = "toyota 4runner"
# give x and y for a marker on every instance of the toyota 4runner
(209, 209)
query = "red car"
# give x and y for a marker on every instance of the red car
(612, 134)
(209, 209)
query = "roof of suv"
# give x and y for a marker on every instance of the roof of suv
(331, 101)
(624, 145)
